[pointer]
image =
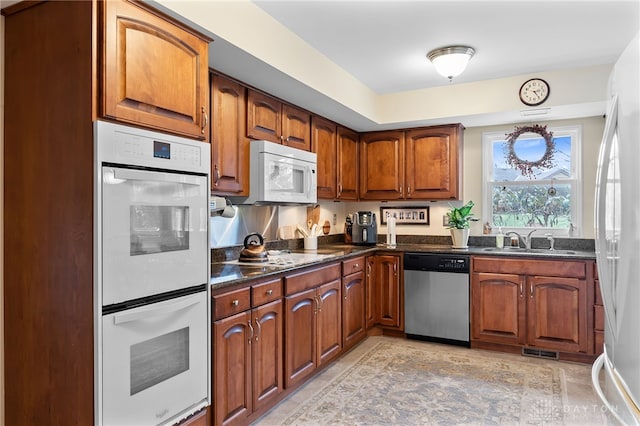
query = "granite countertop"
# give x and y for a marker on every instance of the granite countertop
(225, 274)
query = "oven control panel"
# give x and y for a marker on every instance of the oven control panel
(119, 144)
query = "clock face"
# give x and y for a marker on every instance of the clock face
(534, 92)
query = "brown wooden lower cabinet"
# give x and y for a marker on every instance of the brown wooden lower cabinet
(598, 315)
(312, 324)
(541, 304)
(201, 418)
(247, 354)
(354, 327)
(385, 297)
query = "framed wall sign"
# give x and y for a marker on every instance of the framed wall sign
(418, 215)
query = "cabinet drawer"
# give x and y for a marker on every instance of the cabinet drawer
(547, 268)
(352, 266)
(266, 292)
(231, 303)
(310, 279)
(598, 315)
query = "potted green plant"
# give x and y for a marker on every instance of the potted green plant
(458, 224)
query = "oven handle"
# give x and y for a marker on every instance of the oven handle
(143, 313)
(127, 174)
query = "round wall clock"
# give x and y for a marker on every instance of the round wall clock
(534, 91)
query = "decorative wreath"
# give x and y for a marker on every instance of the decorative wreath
(526, 167)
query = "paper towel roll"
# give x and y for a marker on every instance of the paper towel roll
(391, 231)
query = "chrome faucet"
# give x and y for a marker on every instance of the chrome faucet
(526, 241)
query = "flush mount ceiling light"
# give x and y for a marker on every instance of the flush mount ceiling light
(451, 61)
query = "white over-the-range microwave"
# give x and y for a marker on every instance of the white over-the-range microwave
(280, 174)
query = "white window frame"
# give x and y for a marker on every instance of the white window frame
(488, 138)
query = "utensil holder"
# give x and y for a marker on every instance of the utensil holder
(310, 243)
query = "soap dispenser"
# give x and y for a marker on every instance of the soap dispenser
(499, 238)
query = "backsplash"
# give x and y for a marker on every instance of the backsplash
(233, 252)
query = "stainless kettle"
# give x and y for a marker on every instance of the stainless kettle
(254, 250)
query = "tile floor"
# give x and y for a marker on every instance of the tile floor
(582, 405)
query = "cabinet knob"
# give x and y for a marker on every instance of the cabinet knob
(355, 265)
(235, 302)
(269, 292)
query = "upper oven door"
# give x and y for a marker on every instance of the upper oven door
(154, 232)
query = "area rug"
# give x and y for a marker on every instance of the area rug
(412, 384)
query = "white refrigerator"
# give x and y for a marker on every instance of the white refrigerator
(618, 242)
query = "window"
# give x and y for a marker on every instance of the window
(548, 200)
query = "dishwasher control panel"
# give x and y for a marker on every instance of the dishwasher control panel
(436, 262)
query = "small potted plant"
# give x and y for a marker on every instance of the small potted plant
(459, 219)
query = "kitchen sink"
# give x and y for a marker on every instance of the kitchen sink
(525, 250)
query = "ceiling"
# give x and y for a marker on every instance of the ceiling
(384, 43)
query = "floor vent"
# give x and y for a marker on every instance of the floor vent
(540, 353)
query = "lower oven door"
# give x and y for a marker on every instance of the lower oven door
(155, 362)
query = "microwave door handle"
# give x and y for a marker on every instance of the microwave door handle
(126, 174)
(309, 171)
(124, 317)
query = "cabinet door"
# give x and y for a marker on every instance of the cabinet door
(371, 296)
(296, 128)
(498, 308)
(201, 418)
(324, 144)
(432, 162)
(267, 354)
(557, 313)
(156, 73)
(347, 164)
(300, 336)
(264, 117)
(353, 309)
(329, 319)
(387, 277)
(382, 165)
(229, 144)
(232, 369)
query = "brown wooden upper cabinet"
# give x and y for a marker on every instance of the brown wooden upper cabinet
(337, 150)
(271, 120)
(348, 165)
(155, 71)
(382, 165)
(229, 143)
(324, 144)
(417, 164)
(433, 162)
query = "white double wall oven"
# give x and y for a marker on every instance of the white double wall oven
(152, 297)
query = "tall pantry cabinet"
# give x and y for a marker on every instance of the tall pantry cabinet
(59, 66)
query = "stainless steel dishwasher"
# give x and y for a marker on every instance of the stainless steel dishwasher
(436, 291)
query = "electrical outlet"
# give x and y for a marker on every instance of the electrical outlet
(335, 219)
(445, 220)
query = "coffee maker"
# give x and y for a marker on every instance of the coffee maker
(364, 230)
